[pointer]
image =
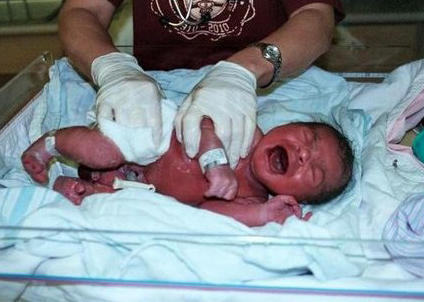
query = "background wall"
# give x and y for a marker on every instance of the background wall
(376, 36)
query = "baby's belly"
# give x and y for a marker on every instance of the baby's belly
(176, 175)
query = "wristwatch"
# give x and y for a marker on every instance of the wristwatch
(272, 54)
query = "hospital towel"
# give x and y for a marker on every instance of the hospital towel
(406, 229)
(261, 254)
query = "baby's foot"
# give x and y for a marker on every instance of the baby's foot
(76, 189)
(36, 159)
(72, 188)
(105, 177)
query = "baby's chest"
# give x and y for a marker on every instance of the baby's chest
(177, 175)
(248, 185)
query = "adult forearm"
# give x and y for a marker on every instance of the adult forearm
(83, 37)
(302, 39)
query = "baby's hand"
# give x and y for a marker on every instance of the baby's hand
(278, 208)
(222, 182)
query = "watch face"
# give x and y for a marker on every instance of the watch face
(272, 51)
(272, 54)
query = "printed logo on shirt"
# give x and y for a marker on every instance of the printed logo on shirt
(211, 18)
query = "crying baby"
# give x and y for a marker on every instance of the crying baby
(302, 162)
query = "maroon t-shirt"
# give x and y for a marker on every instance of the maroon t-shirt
(233, 25)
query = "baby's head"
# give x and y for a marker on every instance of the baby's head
(311, 161)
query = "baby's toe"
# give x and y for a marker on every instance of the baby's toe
(34, 168)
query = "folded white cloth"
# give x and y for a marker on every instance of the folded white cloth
(140, 242)
(136, 143)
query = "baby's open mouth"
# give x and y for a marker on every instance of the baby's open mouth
(278, 160)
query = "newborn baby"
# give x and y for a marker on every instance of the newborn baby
(299, 162)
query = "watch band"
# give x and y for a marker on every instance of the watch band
(272, 54)
(50, 143)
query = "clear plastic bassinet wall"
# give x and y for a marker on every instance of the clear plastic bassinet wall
(142, 246)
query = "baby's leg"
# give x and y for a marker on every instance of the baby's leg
(76, 189)
(81, 144)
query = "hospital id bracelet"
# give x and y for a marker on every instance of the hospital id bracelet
(212, 158)
(50, 143)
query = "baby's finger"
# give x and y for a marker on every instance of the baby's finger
(230, 194)
(307, 216)
(214, 191)
(293, 204)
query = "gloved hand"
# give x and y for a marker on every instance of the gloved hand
(226, 95)
(127, 94)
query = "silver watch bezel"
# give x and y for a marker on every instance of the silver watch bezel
(272, 54)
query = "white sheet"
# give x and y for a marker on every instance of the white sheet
(314, 95)
(407, 225)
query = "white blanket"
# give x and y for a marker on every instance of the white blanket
(231, 253)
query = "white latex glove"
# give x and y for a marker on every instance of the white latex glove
(127, 94)
(227, 95)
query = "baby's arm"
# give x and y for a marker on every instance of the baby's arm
(81, 144)
(222, 180)
(256, 211)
